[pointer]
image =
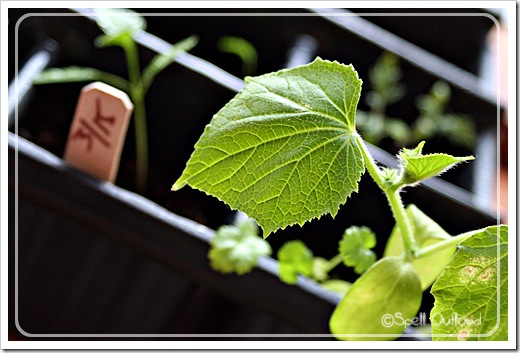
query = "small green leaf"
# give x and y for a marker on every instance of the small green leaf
(80, 74)
(426, 232)
(241, 48)
(113, 22)
(161, 61)
(416, 166)
(385, 79)
(354, 248)
(294, 258)
(471, 292)
(237, 248)
(380, 304)
(284, 149)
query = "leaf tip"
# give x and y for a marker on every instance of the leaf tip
(179, 184)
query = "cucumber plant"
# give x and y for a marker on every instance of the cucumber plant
(120, 28)
(286, 150)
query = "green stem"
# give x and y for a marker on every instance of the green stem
(402, 221)
(141, 135)
(141, 145)
(396, 204)
(452, 241)
(335, 261)
(370, 164)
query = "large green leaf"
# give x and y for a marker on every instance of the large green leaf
(284, 149)
(471, 293)
(380, 304)
(426, 232)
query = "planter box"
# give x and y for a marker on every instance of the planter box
(105, 260)
(95, 258)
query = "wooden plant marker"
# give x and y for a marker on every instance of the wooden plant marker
(98, 130)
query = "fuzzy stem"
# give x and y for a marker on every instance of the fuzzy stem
(370, 164)
(402, 221)
(396, 204)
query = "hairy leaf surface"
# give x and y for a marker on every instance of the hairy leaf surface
(471, 292)
(417, 167)
(284, 149)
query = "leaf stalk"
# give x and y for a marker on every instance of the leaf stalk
(432, 249)
(396, 204)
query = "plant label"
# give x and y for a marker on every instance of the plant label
(98, 130)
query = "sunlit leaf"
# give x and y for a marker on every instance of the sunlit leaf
(294, 258)
(417, 166)
(471, 292)
(284, 150)
(354, 248)
(380, 304)
(337, 285)
(237, 248)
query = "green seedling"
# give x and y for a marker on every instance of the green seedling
(433, 120)
(120, 28)
(285, 150)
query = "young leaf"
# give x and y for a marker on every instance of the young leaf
(354, 248)
(161, 61)
(284, 149)
(241, 48)
(80, 74)
(426, 232)
(380, 303)
(113, 22)
(416, 166)
(294, 258)
(471, 292)
(237, 248)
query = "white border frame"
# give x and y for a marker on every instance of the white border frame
(507, 6)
